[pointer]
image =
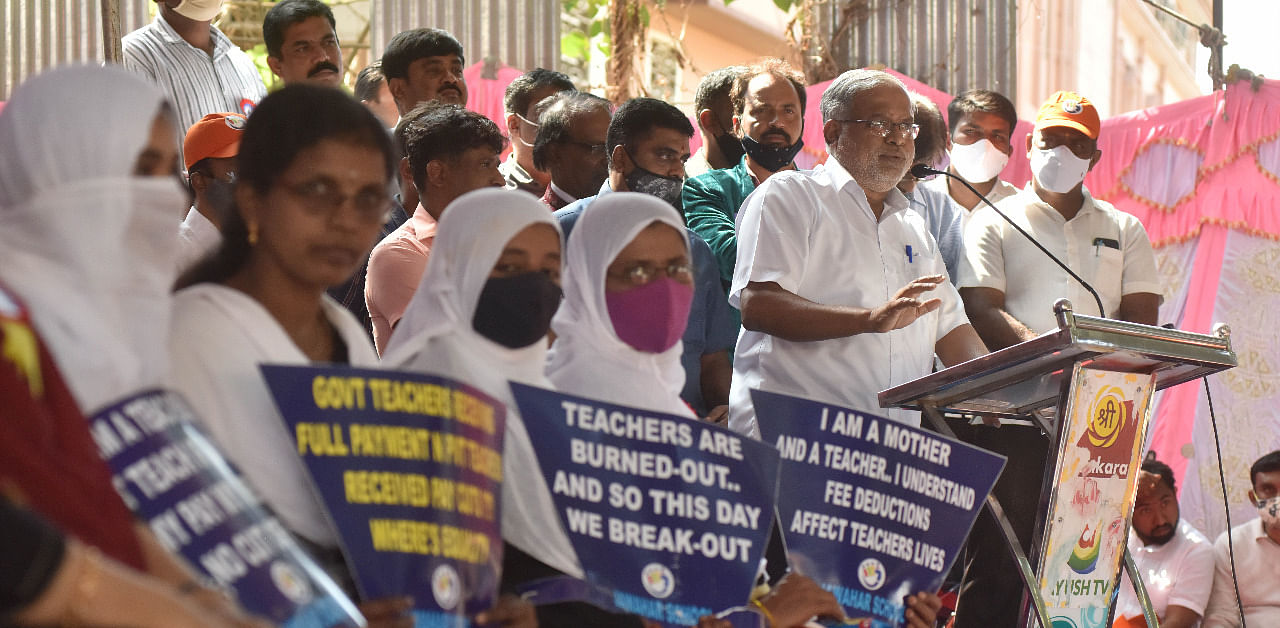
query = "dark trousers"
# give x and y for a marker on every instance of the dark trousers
(993, 592)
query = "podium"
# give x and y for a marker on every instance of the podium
(1094, 442)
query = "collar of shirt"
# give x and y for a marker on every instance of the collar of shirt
(220, 41)
(841, 180)
(1034, 200)
(564, 196)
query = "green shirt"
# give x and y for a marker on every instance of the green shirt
(711, 201)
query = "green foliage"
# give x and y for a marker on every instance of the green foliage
(258, 54)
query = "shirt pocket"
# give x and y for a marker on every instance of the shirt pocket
(1108, 276)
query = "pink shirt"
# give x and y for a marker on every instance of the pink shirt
(395, 268)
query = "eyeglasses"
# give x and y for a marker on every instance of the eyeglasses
(323, 197)
(882, 127)
(642, 273)
(596, 150)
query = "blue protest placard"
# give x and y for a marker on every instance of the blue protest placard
(409, 467)
(173, 478)
(871, 509)
(669, 514)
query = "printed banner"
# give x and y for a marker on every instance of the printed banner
(670, 514)
(1093, 495)
(174, 479)
(871, 509)
(409, 467)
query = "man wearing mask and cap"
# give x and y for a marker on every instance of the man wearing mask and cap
(199, 68)
(302, 43)
(768, 103)
(1009, 287)
(981, 124)
(714, 117)
(209, 154)
(648, 145)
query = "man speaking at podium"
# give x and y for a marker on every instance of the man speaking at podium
(1009, 287)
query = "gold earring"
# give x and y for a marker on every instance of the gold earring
(253, 233)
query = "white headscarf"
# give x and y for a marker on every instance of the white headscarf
(89, 247)
(435, 336)
(588, 358)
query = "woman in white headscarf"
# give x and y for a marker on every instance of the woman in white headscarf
(90, 203)
(628, 287)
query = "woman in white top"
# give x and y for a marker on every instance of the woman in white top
(314, 182)
(90, 203)
(628, 286)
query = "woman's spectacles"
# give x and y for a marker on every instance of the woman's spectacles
(321, 196)
(642, 273)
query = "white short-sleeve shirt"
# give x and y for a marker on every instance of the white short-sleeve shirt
(814, 234)
(1257, 573)
(1180, 573)
(1107, 247)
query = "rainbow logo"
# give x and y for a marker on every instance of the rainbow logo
(1084, 558)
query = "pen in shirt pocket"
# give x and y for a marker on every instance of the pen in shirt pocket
(910, 259)
(1110, 243)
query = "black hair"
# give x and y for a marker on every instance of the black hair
(286, 122)
(368, 82)
(286, 13)
(636, 119)
(932, 140)
(1151, 465)
(438, 130)
(1265, 464)
(411, 45)
(981, 100)
(558, 117)
(714, 88)
(519, 94)
(778, 68)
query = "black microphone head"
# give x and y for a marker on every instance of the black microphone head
(921, 171)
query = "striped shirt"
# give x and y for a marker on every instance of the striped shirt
(195, 83)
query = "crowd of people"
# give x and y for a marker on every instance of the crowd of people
(188, 226)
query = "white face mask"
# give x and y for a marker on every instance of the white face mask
(978, 162)
(1058, 169)
(199, 10)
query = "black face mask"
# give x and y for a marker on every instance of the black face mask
(648, 182)
(516, 311)
(731, 148)
(771, 158)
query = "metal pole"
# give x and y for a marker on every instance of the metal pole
(1216, 61)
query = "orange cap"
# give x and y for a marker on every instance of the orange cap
(1071, 110)
(216, 135)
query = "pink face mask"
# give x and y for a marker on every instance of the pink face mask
(651, 317)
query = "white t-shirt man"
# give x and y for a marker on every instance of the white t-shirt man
(1178, 573)
(815, 235)
(1257, 575)
(1107, 247)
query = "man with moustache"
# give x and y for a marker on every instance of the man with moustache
(197, 66)
(571, 146)
(302, 44)
(768, 102)
(842, 290)
(1174, 559)
(422, 65)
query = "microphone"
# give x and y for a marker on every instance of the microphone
(921, 171)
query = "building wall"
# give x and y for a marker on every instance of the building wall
(36, 35)
(520, 33)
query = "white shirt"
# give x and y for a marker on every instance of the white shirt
(219, 337)
(195, 83)
(1107, 247)
(198, 236)
(1178, 573)
(814, 234)
(1002, 190)
(1257, 575)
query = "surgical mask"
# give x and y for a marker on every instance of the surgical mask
(516, 311)
(199, 10)
(730, 147)
(1058, 170)
(667, 189)
(1269, 512)
(978, 162)
(219, 195)
(651, 317)
(771, 158)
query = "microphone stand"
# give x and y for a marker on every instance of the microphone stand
(921, 171)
